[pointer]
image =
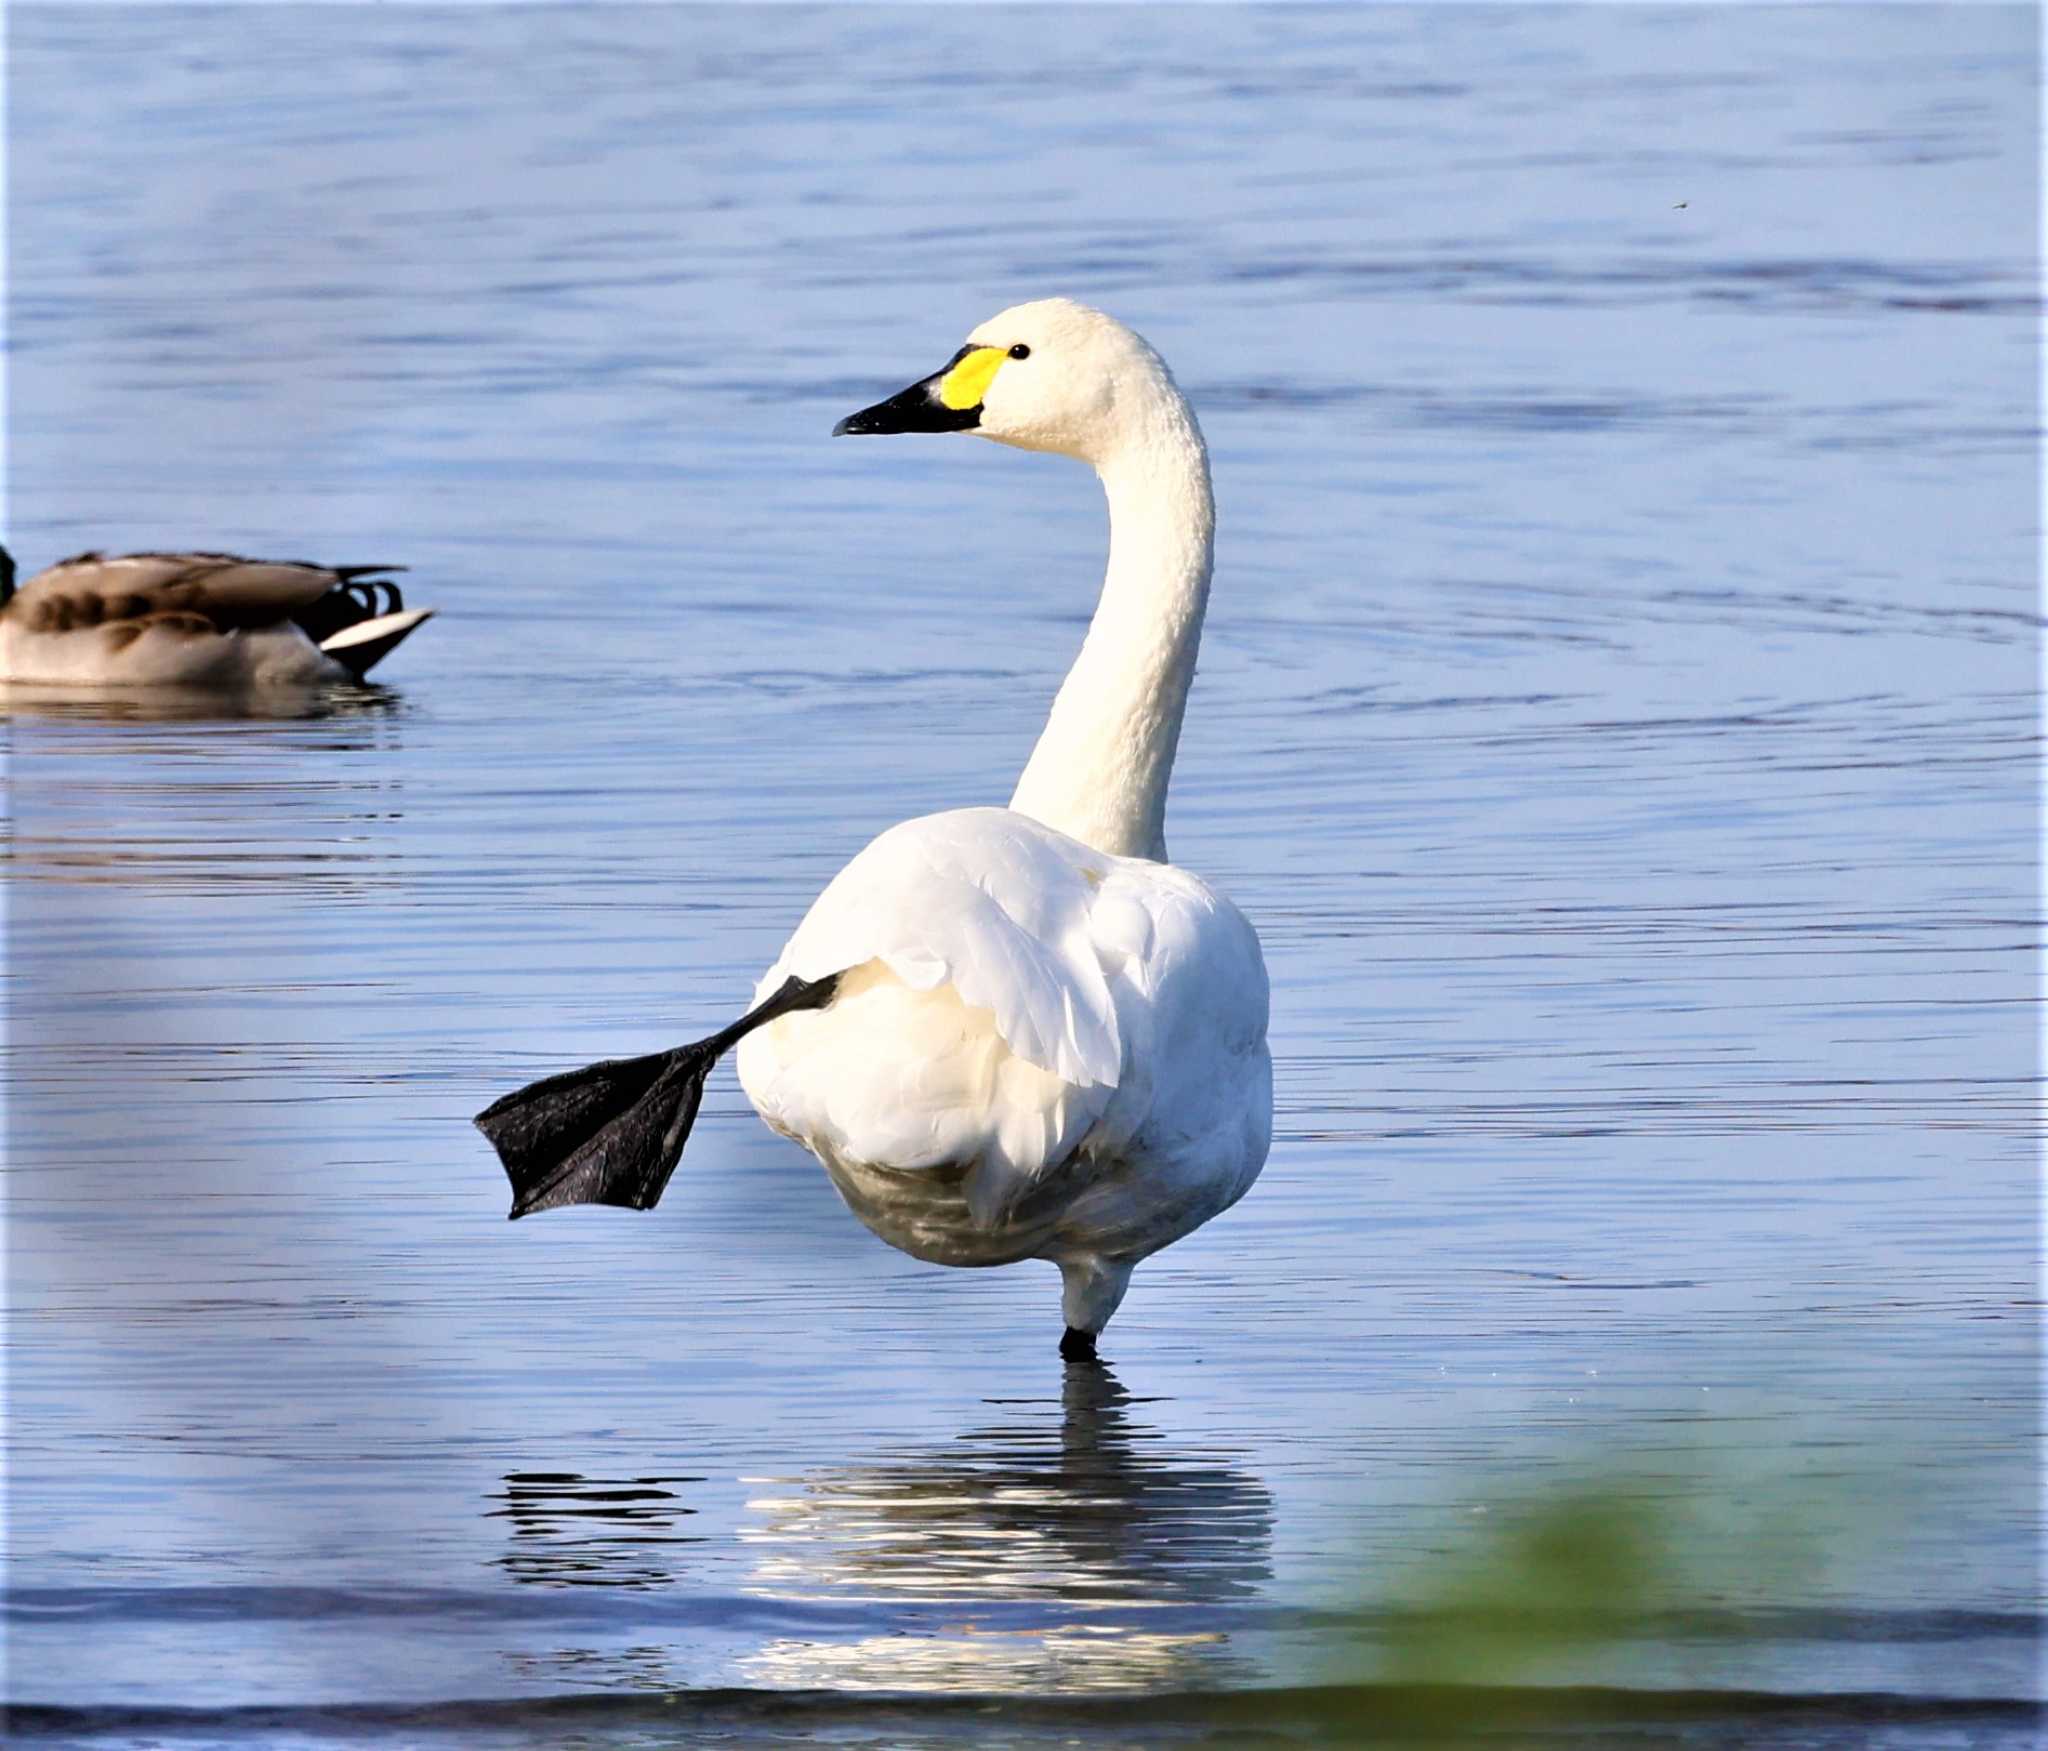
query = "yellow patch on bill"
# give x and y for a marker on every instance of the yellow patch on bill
(967, 382)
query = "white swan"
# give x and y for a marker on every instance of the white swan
(211, 620)
(1015, 1032)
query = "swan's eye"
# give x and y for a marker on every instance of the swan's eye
(1020, 351)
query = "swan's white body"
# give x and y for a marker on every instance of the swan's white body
(1046, 1041)
(211, 620)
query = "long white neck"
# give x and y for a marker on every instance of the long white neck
(1102, 763)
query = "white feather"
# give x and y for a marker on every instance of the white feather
(990, 904)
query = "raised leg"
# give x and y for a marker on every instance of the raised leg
(612, 1133)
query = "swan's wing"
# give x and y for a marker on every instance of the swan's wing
(1192, 996)
(1011, 1000)
(993, 905)
(229, 592)
(974, 1024)
(915, 1082)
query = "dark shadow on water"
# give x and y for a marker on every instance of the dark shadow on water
(1383, 1717)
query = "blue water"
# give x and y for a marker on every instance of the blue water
(1618, 714)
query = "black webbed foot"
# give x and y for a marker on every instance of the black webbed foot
(609, 1133)
(1078, 1346)
(612, 1133)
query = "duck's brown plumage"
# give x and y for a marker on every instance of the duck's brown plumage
(186, 598)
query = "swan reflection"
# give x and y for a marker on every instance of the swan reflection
(1067, 1552)
(1062, 1546)
(572, 1530)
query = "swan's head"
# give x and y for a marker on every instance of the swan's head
(1052, 375)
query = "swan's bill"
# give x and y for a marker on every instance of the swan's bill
(946, 401)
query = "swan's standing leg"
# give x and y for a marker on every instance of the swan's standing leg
(1078, 1346)
(1091, 1287)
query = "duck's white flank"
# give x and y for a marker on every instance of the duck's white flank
(1045, 1041)
(212, 620)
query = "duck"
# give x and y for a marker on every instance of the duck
(209, 620)
(1015, 1032)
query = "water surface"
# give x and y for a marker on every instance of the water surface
(1617, 713)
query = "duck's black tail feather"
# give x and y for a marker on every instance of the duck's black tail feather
(612, 1133)
(360, 592)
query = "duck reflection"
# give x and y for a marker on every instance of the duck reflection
(152, 705)
(1068, 1552)
(157, 789)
